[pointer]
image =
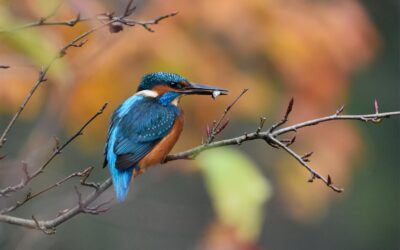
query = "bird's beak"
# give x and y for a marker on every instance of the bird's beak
(200, 89)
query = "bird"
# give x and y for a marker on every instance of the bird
(146, 126)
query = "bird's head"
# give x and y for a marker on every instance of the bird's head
(169, 87)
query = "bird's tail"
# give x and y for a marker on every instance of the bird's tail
(121, 180)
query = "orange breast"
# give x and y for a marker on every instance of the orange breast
(161, 150)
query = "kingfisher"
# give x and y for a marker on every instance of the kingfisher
(146, 126)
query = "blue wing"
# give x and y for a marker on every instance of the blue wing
(136, 127)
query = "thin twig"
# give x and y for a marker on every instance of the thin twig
(285, 117)
(42, 78)
(217, 127)
(42, 228)
(261, 125)
(57, 151)
(11, 189)
(110, 18)
(146, 24)
(314, 173)
(65, 216)
(29, 196)
(43, 22)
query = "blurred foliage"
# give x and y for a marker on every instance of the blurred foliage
(237, 189)
(277, 48)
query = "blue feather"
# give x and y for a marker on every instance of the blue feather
(168, 97)
(121, 179)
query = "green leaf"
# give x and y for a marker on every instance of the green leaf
(237, 188)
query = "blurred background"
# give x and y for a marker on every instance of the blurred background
(323, 53)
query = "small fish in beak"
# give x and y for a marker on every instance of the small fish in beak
(215, 94)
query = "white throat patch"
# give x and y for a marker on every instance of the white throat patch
(147, 93)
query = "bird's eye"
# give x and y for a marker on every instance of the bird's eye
(175, 85)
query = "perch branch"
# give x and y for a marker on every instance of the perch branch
(185, 155)
(270, 136)
(49, 225)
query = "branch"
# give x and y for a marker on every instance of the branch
(58, 149)
(113, 22)
(218, 126)
(116, 24)
(66, 215)
(270, 137)
(42, 75)
(266, 136)
(41, 79)
(29, 196)
(302, 161)
(146, 24)
(43, 21)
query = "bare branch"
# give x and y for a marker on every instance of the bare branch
(76, 42)
(84, 205)
(42, 228)
(364, 118)
(217, 128)
(147, 24)
(109, 18)
(270, 137)
(62, 217)
(11, 189)
(129, 9)
(42, 75)
(339, 110)
(29, 196)
(261, 125)
(67, 214)
(43, 22)
(285, 117)
(263, 135)
(314, 173)
(307, 156)
(56, 152)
